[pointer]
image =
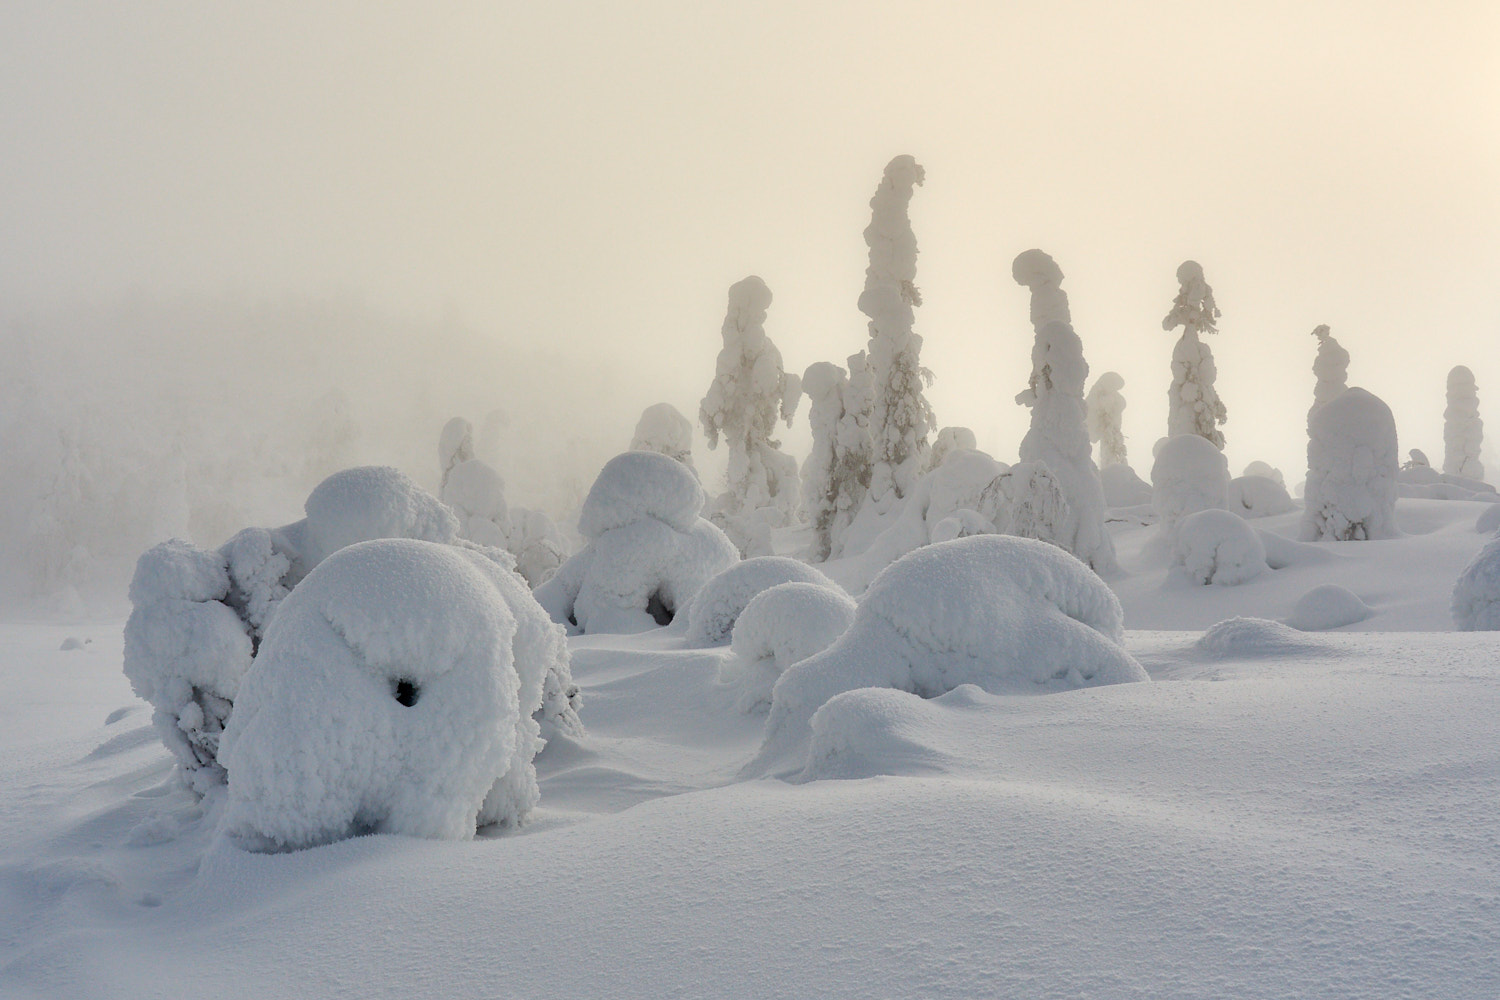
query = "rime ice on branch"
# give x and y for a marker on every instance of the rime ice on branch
(1058, 437)
(1106, 409)
(901, 416)
(1463, 431)
(1193, 404)
(748, 391)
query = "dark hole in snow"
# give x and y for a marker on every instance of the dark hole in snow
(658, 610)
(573, 620)
(407, 692)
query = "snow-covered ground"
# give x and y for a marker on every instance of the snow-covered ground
(1280, 814)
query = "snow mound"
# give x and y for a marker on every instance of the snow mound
(1215, 546)
(638, 485)
(1237, 638)
(1258, 496)
(1476, 595)
(1489, 521)
(711, 616)
(394, 693)
(1122, 487)
(782, 625)
(1012, 615)
(1189, 475)
(1326, 607)
(872, 731)
(649, 555)
(364, 503)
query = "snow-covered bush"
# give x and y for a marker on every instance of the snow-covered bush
(537, 545)
(663, 429)
(1215, 546)
(1012, 615)
(1058, 436)
(648, 550)
(782, 625)
(476, 494)
(716, 607)
(836, 474)
(900, 415)
(748, 392)
(1463, 431)
(1476, 595)
(950, 440)
(1266, 469)
(1352, 464)
(1328, 606)
(1193, 405)
(1106, 412)
(1122, 487)
(1258, 496)
(1189, 475)
(394, 693)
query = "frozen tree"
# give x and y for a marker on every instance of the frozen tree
(1331, 366)
(1059, 437)
(1189, 475)
(1106, 407)
(1463, 431)
(836, 475)
(749, 390)
(455, 445)
(663, 429)
(1193, 406)
(901, 416)
(949, 440)
(1265, 469)
(1351, 470)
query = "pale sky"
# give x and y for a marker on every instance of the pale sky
(591, 178)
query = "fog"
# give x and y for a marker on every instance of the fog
(244, 245)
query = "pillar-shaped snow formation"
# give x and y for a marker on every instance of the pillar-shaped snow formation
(664, 430)
(901, 416)
(836, 474)
(748, 391)
(455, 445)
(1106, 411)
(1351, 470)
(1331, 367)
(1463, 431)
(1193, 406)
(1059, 437)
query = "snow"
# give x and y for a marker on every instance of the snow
(475, 493)
(1328, 606)
(1463, 430)
(1218, 547)
(716, 607)
(1122, 487)
(1476, 594)
(1352, 466)
(1106, 411)
(1258, 496)
(1189, 475)
(950, 440)
(1193, 404)
(360, 504)
(393, 693)
(635, 486)
(782, 625)
(663, 429)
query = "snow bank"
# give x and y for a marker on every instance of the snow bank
(1328, 606)
(1476, 595)
(1239, 638)
(716, 607)
(649, 552)
(394, 693)
(1190, 474)
(1215, 546)
(782, 625)
(1258, 496)
(664, 430)
(1352, 464)
(1011, 615)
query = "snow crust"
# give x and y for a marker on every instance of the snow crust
(394, 693)
(1328, 606)
(1476, 594)
(1218, 547)
(781, 626)
(715, 608)
(1352, 466)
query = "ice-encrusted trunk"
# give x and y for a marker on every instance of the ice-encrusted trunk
(1463, 431)
(1193, 405)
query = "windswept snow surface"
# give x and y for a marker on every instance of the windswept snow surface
(1281, 814)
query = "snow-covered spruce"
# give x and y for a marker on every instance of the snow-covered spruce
(900, 415)
(1463, 431)
(1476, 594)
(455, 445)
(394, 693)
(781, 625)
(1012, 615)
(663, 429)
(836, 474)
(1106, 412)
(950, 440)
(748, 392)
(1215, 546)
(648, 554)
(1330, 366)
(1352, 467)
(1328, 606)
(1193, 404)
(1258, 496)
(1189, 475)
(1058, 436)
(716, 607)
(475, 493)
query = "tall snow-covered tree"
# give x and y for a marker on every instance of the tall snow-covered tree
(1331, 367)
(455, 445)
(1193, 405)
(1463, 431)
(1106, 410)
(749, 390)
(1059, 437)
(901, 416)
(1352, 462)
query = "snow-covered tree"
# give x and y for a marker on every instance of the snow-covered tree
(949, 440)
(748, 391)
(663, 429)
(901, 416)
(836, 473)
(455, 445)
(1351, 470)
(1193, 405)
(1059, 436)
(1463, 431)
(1106, 409)
(1331, 366)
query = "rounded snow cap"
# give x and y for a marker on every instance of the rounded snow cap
(1110, 382)
(1460, 376)
(1189, 272)
(1034, 267)
(716, 608)
(638, 485)
(372, 501)
(821, 378)
(750, 294)
(905, 169)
